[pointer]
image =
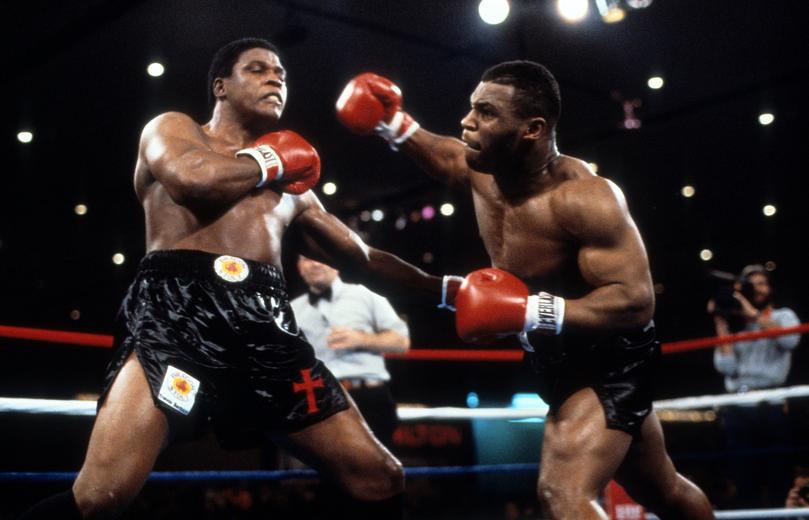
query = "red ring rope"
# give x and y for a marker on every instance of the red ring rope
(105, 341)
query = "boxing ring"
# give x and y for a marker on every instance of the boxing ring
(703, 404)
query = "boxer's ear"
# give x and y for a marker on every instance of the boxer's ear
(536, 128)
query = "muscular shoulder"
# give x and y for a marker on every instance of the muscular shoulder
(589, 205)
(172, 123)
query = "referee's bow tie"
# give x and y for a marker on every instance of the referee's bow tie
(316, 297)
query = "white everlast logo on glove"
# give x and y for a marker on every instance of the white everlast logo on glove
(544, 312)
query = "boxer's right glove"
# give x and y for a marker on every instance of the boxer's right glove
(286, 159)
(492, 303)
(371, 103)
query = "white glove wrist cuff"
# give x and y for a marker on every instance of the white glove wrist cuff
(268, 161)
(391, 132)
(544, 312)
(444, 284)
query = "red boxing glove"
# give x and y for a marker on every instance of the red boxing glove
(287, 159)
(373, 104)
(492, 302)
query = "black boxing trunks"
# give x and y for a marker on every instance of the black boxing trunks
(218, 342)
(619, 368)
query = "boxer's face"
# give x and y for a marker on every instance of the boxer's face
(257, 84)
(316, 275)
(492, 130)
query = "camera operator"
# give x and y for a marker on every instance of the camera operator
(759, 363)
(752, 431)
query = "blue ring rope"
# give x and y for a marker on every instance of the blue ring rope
(185, 476)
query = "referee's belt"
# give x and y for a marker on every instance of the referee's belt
(352, 383)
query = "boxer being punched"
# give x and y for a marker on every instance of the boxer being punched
(206, 334)
(549, 223)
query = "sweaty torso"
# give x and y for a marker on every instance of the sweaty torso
(523, 234)
(251, 227)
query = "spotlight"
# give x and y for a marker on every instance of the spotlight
(572, 10)
(447, 209)
(769, 210)
(155, 70)
(610, 11)
(329, 188)
(118, 258)
(377, 215)
(80, 209)
(427, 212)
(766, 119)
(655, 83)
(706, 254)
(688, 191)
(493, 12)
(25, 136)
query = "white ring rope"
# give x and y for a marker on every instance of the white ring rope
(739, 514)
(413, 413)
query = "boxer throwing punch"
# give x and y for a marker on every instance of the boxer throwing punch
(551, 225)
(206, 336)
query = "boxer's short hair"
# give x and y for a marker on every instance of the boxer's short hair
(226, 57)
(536, 90)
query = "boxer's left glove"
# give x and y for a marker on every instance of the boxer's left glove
(449, 290)
(373, 104)
(492, 303)
(286, 159)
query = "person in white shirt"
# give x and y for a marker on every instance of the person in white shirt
(351, 328)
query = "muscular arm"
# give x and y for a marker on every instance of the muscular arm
(611, 258)
(327, 239)
(441, 157)
(177, 155)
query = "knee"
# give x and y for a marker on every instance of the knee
(546, 493)
(556, 496)
(377, 481)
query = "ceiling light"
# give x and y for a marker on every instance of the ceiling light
(655, 82)
(493, 12)
(155, 69)
(572, 10)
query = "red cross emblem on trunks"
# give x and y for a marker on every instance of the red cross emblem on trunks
(308, 386)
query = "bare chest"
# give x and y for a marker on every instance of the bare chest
(523, 237)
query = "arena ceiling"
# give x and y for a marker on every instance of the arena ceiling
(76, 77)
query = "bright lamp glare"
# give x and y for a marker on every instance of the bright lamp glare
(447, 209)
(688, 191)
(25, 136)
(329, 188)
(655, 82)
(572, 10)
(118, 258)
(766, 118)
(493, 12)
(706, 254)
(80, 209)
(769, 210)
(155, 69)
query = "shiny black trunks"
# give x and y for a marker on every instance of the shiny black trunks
(218, 342)
(619, 368)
